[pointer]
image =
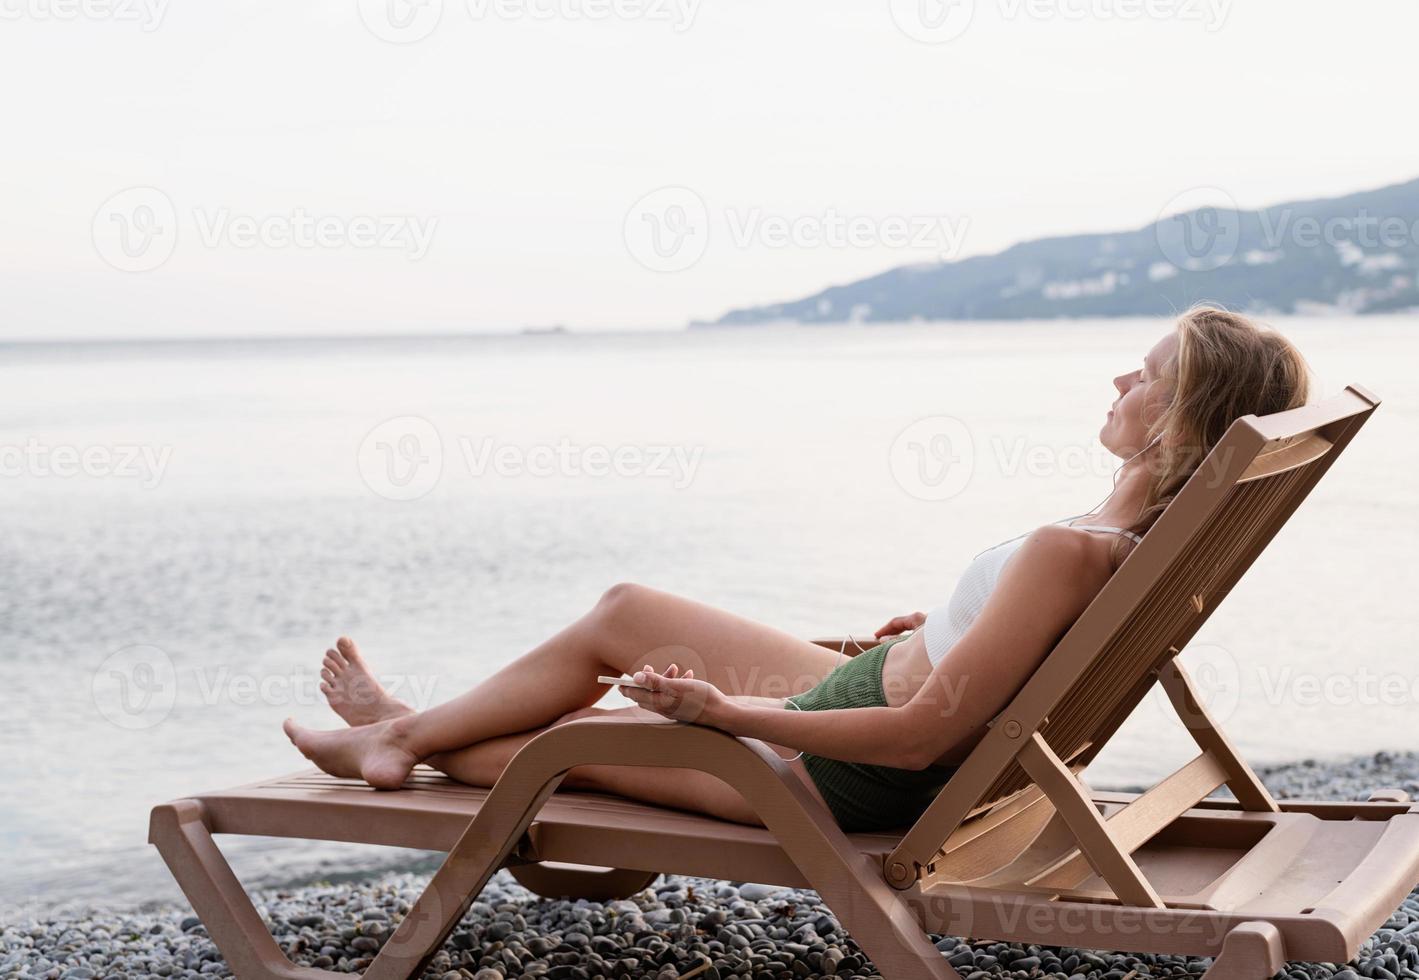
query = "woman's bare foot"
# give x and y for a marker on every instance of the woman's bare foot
(352, 690)
(374, 753)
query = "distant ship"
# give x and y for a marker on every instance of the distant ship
(554, 328)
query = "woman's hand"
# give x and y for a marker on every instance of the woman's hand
(682, 698)
(901, 624)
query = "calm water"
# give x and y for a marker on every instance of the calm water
(163, 609)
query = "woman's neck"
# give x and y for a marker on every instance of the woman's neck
(1124, 505)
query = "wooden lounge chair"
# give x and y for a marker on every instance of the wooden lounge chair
(1015, 847)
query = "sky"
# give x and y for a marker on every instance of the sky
(221, 168)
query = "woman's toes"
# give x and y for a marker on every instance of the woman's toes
(347, 649)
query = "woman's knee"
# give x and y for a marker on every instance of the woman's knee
(622, 602)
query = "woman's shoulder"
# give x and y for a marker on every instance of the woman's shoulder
(1056, 573)
(1071, 551)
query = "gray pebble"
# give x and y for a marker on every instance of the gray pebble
(754, 892)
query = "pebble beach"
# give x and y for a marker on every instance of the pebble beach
(677, 927)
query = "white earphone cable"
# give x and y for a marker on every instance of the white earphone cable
(842, 656)
(1093, 510)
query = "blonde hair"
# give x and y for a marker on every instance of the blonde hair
(1226, 366)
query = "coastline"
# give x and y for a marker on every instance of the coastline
(668, 929)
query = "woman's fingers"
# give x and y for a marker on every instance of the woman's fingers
(657, 698)
(681, 697)
(652, 681)
(664, 693)
(900, 624)
(656, 681)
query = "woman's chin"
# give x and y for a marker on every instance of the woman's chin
(1109, 443)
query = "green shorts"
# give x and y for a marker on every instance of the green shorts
(865, 797)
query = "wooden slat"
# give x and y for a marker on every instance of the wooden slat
(1095, 841)
(1240, 778)
(1134, 825)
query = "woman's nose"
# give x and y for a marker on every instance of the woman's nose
(1121, 383)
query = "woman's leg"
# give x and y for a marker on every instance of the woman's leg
(630, 627)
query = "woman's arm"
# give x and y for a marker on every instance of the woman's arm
(1043, 589)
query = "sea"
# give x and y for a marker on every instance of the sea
(187, 525)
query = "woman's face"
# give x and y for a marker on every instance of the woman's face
(1142, 395)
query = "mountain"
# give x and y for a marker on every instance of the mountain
(1343, 255)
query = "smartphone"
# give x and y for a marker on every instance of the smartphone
(625, 680)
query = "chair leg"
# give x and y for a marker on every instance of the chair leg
(1251, 951)
(179, 830)
(876, 915)
(484, 847)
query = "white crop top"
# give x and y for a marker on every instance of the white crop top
(947, 623)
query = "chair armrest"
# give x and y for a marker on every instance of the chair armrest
(782, 802)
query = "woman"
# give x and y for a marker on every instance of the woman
(874, 737)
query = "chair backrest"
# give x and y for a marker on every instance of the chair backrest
(1198, 548)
